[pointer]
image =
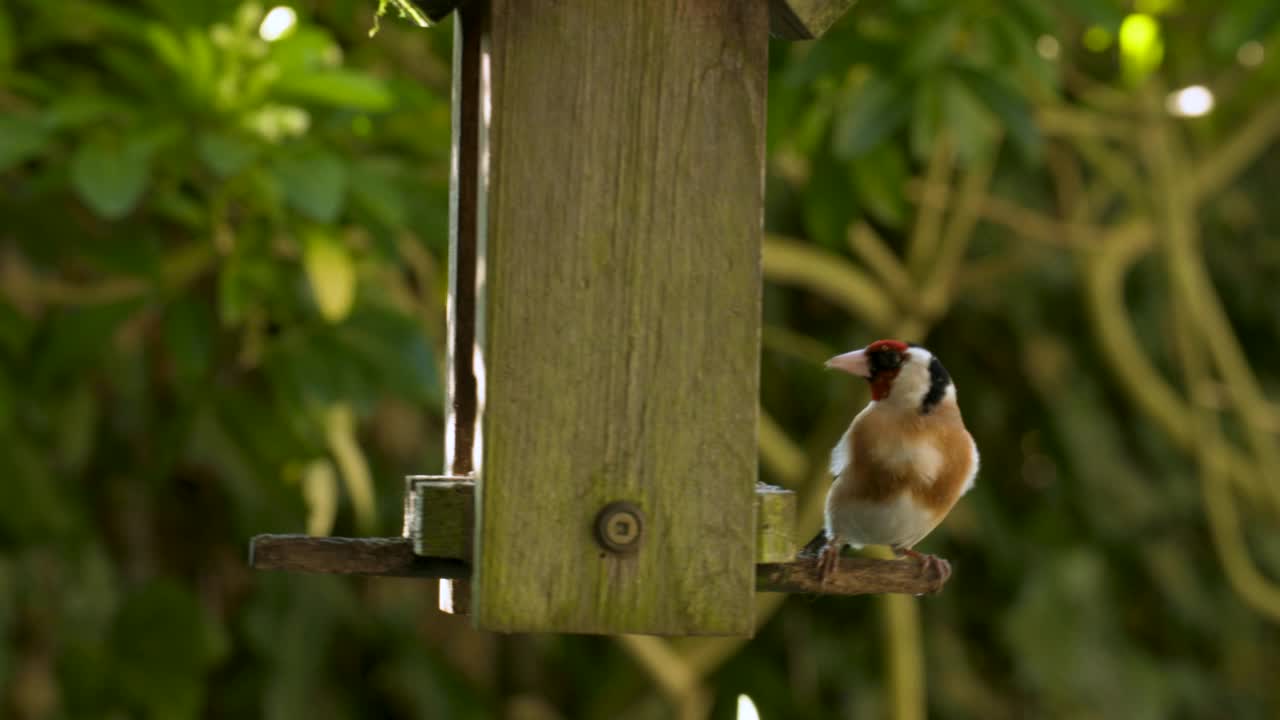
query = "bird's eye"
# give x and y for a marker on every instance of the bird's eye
(886, 360)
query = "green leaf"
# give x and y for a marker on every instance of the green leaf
(880, 177)
(1099, 12)
(7, 50)
(314, 181)
(164, 645)
(224, 153)
(1013, 111)
(337, 88)
(77, 110)
(34, 506)
(374, 189)
(188, 338)
(1033, 15)
(1241, 21)
(245, 281)
(111, 176)
(390, 350)
(873, 113)
(76, 339)
(928, 46)
(926, 118)
(15, 328)
(307, 48)
(972, 127)
(830, 203)
(22, 137)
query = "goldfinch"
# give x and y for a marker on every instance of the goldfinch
(904, 461)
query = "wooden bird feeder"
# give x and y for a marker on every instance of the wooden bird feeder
(604, 321)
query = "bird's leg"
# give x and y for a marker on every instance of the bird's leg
(928, 563)
(829, 560)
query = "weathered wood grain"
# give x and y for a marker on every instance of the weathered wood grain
(856, 576)
(805, 19)
(349, 556)
(394, 557)
(619, 281)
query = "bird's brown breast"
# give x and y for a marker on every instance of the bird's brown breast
(930, 456)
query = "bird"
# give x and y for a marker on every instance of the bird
(904, 461)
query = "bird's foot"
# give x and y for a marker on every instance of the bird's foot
(828, 560)
(932, 565)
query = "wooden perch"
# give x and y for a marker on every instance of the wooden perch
(857, 576)
(437, 544)
(394, 557)
(350, 556)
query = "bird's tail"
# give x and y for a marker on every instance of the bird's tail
(814, 547)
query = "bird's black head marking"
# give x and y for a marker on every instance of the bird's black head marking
(939, 380)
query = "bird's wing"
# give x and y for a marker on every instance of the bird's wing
(973, 468)
(842, 454)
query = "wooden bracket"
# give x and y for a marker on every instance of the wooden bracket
(440, 512)
(804, 19)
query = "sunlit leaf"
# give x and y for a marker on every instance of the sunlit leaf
(340, 429)
(331, 273)
(404, 8)
(1141, 47)
(320, 491)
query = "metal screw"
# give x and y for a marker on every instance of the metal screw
(619, 526)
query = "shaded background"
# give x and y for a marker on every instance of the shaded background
(222, 282)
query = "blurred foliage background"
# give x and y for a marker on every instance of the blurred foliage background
(223, 234)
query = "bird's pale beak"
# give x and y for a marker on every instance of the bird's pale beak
(854, 363)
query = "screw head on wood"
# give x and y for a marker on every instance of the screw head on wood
(619, 526)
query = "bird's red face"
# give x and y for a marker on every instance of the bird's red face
(878, 362)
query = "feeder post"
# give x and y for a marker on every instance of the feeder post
(616, 152)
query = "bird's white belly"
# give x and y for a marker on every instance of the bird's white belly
(899, 522)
